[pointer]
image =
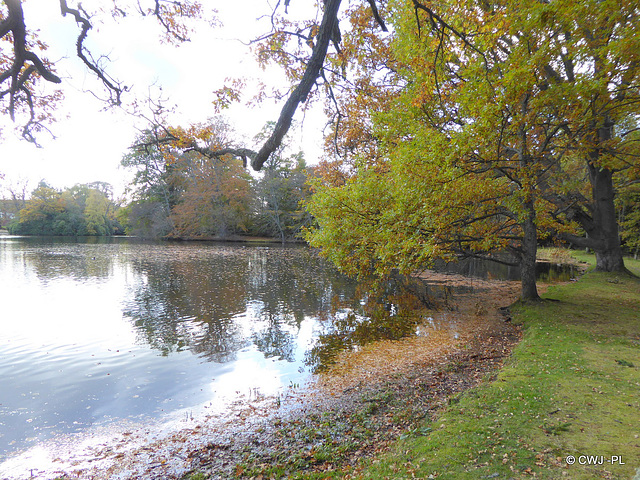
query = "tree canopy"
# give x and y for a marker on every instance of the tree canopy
(84, 209)
(181, 192)
(490, 112)
(491, 125)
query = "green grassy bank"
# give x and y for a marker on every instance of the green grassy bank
(570, 390)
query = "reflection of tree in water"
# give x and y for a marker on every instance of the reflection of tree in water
(274, 341)
(152, 318)
(291, 284)
(189, 303)
(390, 311)
(217, 300)
(54, 258)
(295, 282)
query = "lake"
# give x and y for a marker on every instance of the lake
(96, 331)
(100, 337)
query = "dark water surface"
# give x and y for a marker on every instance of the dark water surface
(93, 332)
(547, 272)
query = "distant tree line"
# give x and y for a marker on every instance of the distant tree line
(175, 193)
(84, 209)
(186, 194)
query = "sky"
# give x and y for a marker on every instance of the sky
(90, 141)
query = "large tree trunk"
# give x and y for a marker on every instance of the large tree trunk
(599, 220)
(605, 224)
(604, 234)
(528, 256)
(601, 225)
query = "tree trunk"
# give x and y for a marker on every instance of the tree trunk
(605, 236)
(528, 256)
(529, 246)
(599, 219)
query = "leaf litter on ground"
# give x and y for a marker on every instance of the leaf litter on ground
(367, 399)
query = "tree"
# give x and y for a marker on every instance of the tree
(71, 221)
(280, 192)
(151, 189)
(96, 214)
(24, 67)
(582, 58)
(216, 197)
(187, 193)
(478, 141)
(629, 213)
(591, 66)
(145, 218)
(79, 210)
(16, 200)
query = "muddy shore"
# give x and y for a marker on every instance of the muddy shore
(368, 399)
(373, 396)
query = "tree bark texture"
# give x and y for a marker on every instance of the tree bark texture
(528, 256)
(604, 234)
(600, 221)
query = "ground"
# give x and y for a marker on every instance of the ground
(374, 396)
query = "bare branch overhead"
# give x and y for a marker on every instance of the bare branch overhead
(326, 34)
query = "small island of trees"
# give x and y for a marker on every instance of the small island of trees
(173, 195)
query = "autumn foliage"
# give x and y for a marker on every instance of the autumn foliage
(475, 128)
(181, 189)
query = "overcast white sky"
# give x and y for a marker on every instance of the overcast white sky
(90, 142)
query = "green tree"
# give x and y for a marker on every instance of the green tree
(497, 101)
(40, 212)
(152, 190)
(14, 199)
(79, 210)
(280, 194)
(96, 214)
(629, 201)
(71, 220)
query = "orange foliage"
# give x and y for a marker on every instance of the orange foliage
(216, 197)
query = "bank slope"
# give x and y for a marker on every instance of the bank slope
(566, 405)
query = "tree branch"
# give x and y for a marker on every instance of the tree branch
(18, 75)
(83, 21)
(300, 93)
(242, 153)
(376, 15)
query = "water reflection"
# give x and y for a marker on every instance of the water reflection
(94, 332)
(390, 311)
(203, 299)
(486, 269)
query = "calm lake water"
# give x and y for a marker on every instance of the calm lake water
(96, 331)
(102, 336)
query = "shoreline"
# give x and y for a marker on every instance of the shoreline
(355, 411)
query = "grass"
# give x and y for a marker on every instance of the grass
(556, 255)
(571, 388)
